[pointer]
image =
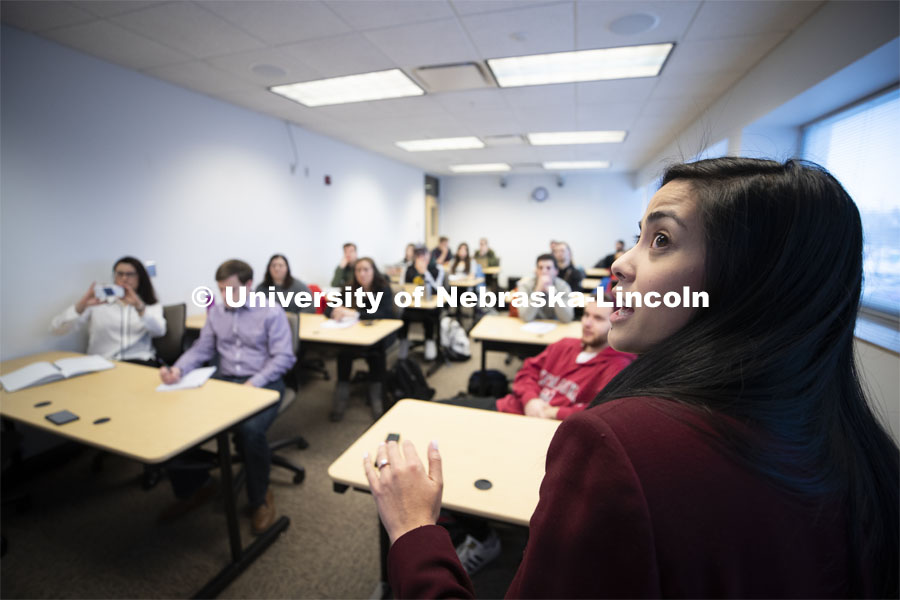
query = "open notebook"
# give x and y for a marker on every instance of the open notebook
(40, 373)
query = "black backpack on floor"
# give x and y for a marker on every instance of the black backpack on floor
(406, 380)
(494, 383)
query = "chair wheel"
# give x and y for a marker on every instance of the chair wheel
(327, 376)
(299, 477)
(303, 444)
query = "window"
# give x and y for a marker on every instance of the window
(860, 145)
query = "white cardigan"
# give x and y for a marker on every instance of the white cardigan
(115, 330)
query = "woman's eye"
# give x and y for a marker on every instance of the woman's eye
(660, 240)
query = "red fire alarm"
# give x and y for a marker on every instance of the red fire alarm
(328, 180)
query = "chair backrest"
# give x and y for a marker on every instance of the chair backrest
(320, 306)
(294, 324)
(170, 346)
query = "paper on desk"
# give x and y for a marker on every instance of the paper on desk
(334, 324)
(194, 379)
(538, 328)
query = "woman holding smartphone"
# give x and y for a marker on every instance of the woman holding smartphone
(738, 455)
(119, 328)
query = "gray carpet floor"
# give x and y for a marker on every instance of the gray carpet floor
(96, 535)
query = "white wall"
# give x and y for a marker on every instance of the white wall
(590, 212)
(100, 161)
(881, 378)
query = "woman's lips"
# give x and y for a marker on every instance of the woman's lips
(621, 315)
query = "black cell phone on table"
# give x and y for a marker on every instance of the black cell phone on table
(62, 417)
(392, 437)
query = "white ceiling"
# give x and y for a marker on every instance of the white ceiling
(212, 47)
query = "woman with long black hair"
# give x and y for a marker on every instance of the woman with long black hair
(738, 455)
(122, 328)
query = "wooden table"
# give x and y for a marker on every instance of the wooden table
(507, 450)
(503, 333)
(491, 270)
(148, 426)
(597, 272)
(467, 281)
(590, 284)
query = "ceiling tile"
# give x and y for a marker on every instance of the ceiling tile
(560, 96)
(40, 16)
(491, 122)
(112, 43)
(468, 101)
(241, 65)
(280, 22)
(374, 14)
(432, 43)
(109, 8)
(414, 106)
(738, 18)
(535, 121)
(695, 84)
(709, 56)
(591, 117)
(533, 30)
(594, 19)
(348, 54)
(619, 90)
(201, 77)
(473, 7)
(188, 28)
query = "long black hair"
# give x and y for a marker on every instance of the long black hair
(144, 288)
(774, 350)
(269, 281)
(468, 259)
(379, 281)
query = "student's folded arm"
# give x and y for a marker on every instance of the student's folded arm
(564, 313)
(69, 319)
(591, 535)
(280, 348)
(154, 320)
(525, 385)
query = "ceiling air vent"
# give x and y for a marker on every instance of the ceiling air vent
(457, 76)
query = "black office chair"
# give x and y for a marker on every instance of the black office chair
(170, 346)
(290, 394)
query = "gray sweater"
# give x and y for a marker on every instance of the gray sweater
(559, 313)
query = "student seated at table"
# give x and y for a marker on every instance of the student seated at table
(278, 275)
(367, 277)
(546, 277)
(463, 264)
(343, 273)
(568, 272)
(442, 254)
(425, 273)
(607, 261)
(120, 329)
(409, 256)
(254, 347)
(738, 456)
(485, 255)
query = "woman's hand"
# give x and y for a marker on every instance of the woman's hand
(170, 375)
(406, 496)
(89, 299)
(133, 299)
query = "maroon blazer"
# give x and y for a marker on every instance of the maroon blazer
(636, 502)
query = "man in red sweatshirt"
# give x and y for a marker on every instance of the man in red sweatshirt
(560, 381)
(564, 378)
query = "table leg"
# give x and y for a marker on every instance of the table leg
(241, 558)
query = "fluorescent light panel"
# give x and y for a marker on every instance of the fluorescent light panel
(379, 85)
(456, 143)
(568, 165)
(565, 138)
(582, 65)
(480, 168)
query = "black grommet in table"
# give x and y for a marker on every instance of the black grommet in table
(483, 484)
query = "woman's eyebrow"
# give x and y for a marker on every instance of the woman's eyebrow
(662, 214)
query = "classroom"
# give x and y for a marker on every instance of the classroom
(167, 131)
